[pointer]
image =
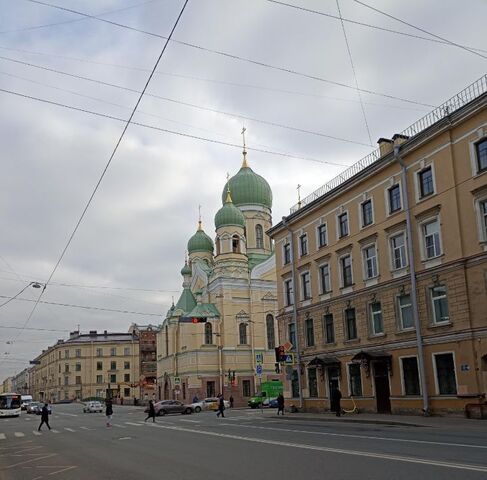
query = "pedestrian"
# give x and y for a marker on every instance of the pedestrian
(195, 399)
(109, 411)
(280, 404)
(221, 406)
(231, 401)
(152, 412)
(44, 417)
(121, 401)
(336, 396)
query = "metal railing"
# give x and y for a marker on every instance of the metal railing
(459, 100)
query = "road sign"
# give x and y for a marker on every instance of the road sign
(288, 346)
(258, 369)
(288, 359)
(259, 357)
(177, 380)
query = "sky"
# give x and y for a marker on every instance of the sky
(300, 129)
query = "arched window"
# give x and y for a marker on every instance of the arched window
(208, 333)
(242, 334)
(259, 236)
(235, 244)
(271, 338)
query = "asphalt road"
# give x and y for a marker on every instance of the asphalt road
(246, 444)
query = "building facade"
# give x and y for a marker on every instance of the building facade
(224, 324)
(88, 366)
(389, 297)
(20, 382)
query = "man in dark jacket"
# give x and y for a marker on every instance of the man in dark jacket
(221, 406)
(280, 404)
(336, 396)
(44, 417)
(152, 412)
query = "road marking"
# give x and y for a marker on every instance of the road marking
(31, 460)
(85, 428)
(19, 434)
(134, 424)
(116, 425)
(341, 451)
(69, 429)
(2, 436)
(65, 469)
(125, 438)
(35, 432)
(188, 420)
(69, 414)
(366, 437)
(54, 431)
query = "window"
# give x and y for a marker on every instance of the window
(99, 365)
(126, 351)
(410, 376)
(77, 393)
(113, 351)
(259, 236)
(367, 213)
(66, 353)
(377, 324)
(113, 365)
(322, 235)
(329, 328)
(288, 289)
(482, 213)
(66, 368)
(235, 244)
(242, 334)
(287, 253)
(208, 333)
(350, 324)
(398, 251)
(113, 378)
(271, 334)
(59, 368)
(294, 384)
(210, 389)
(292, 334)
(303, 244)
(445, 374)
(370, 261)
(78, 352)
(425, 182)
(126, 392)
(246, 388)
(325, 278)
(439, 304)
(312, 382)
(355, 379)
(126, 365)
(78, 380)
(310, 333)
(99, 379)
(66, 380)
(343, 225)
(481, 154)
(405, 312)
(431, 239)
(126, 377)
(306, 286)
(394, 194)
(346, 268)
(78, 367)
(99, 352)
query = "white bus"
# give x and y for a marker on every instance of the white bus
(9, 405)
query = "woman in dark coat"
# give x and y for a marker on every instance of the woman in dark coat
(336, 396)
(280, 404)
(152, 412)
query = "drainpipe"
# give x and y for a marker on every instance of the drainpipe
(412, 274)
(295, 313)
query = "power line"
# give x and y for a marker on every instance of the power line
(354, 72)
(15, 296)
(228, 55)
(368, 25)
(12, 327)
(420, 29)
(172, 132)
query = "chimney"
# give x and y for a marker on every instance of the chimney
(399, 138)
(105, 332)
(385, 146)
(93, 333)
(74, 334)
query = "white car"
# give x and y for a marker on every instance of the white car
(92, 407)
(198, 406)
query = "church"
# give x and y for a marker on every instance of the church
(224, 323)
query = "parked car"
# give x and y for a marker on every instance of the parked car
(93, 407)
(198, 406)
(165, 407)
(39, 409)
(33, 406)
(212, 403)
(273, 403)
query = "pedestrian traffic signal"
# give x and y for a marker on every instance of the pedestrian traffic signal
(277, 367)
(280, 354)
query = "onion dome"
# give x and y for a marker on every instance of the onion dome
(248, 188)
(186, 270)
(200, 242)
(229, 214)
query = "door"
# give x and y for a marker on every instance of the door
(382, 391)
(333, 383)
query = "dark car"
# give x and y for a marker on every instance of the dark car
(38, 410)
(273, 403)
(166, 407)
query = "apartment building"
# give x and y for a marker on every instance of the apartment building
(88, 365)
(382, 273)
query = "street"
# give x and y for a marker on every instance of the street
(245, 444)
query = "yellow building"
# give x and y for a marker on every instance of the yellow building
(234, 289)
(88, 365)
(388, 283)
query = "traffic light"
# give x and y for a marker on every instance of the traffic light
(277, 367)
(280, 354)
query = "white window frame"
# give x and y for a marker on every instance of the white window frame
(433, 311)
(348, 379)
(473, 152)
(364, 261)
(360, 212)
(417, 182)
(340, 266)
(421, 230)
(391, 250)
(403, 386)
(301, 277)
(435, 372)
(322, 289)
(399, 311)
(481, 224)
(284, 253)
(387, 202)
(324, 224)
(344, 212)
(285, 283)
(371, 319)
(301, 254)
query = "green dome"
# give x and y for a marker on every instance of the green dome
(248, 188)
(229, 214)
(186, 270)
(200, 242)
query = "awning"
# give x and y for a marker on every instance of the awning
(324, 361)
(368, 356)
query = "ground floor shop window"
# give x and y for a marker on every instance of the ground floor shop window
(295, 384)
(312, 383)
(210, 389)
(355, 379)
(126, 392)
(246, 388)
(445, 374)
(410, 376)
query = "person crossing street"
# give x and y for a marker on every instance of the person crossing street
(44, 417)
(152, 412)
(221, 406)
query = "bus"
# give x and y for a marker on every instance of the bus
(9, 405)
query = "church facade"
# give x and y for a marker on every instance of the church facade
(224, 322)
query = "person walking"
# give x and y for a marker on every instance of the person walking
(44, 417)
(221, 406)
(231, 401)
(336, 396)
(195, 399)
(280, 404)
(152, 412)
(109, 411)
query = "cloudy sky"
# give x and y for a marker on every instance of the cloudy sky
(130, 247)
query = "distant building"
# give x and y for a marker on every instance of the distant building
(368, 271)
(20, 382)
(8, 385)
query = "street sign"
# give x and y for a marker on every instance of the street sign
(177, 380)
(288, 346)
(258, 370)
(259, 357)
(288, 359)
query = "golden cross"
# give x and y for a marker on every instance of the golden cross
(243, 135)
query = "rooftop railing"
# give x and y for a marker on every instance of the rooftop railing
(468, 94)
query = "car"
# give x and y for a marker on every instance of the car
(198, 406)
(212, 403)
(165, 407)
(33, 406)
(273, 403)
(40, 407)
(93, 407)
